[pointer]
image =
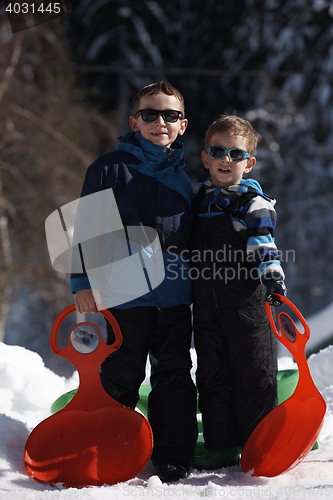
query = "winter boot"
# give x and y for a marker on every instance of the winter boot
(171, 472)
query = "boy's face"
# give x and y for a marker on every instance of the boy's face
(159, 132)
(225, 172)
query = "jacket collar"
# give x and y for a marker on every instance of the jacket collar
(245, 186)
(158, 157)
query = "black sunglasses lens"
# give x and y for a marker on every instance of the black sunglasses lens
(149, 115)
(170, 116)
(236, 154)
(217, 151)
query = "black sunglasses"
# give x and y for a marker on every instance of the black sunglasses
(235, 154)
(168, 115)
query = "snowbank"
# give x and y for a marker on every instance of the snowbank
(27, 389)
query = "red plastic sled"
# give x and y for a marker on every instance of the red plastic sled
(287, 434)
(94, 440)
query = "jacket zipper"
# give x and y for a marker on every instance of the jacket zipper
(170, 151)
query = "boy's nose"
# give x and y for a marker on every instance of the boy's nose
(226, 157)
(160, 120)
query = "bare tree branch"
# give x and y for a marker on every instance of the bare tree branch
(8, 261)
(53, 132)
(12, 65)
(9, 167)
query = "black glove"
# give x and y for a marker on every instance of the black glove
(274, 285)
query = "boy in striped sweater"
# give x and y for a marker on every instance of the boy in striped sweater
(235, 269)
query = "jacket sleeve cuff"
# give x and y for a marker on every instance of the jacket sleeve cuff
(270, 269)
(79, 284)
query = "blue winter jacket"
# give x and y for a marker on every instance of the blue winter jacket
(151, 190)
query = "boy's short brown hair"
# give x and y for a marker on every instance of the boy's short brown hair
(234, 125)
(161, 87)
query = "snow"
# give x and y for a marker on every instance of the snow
(320, 322)
(27, 389)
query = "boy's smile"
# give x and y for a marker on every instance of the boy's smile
(225, 172)
(159, 131)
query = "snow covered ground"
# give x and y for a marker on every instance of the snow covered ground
(27, 389)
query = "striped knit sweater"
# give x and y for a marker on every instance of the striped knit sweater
(253, 217)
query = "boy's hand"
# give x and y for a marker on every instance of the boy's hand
(88, 301)
(274, 285)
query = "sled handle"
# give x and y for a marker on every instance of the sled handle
(292, 338)
(70, 309)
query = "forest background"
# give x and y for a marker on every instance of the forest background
(66, 89)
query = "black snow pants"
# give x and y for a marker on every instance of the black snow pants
(236, 348)
(236, 374)
(164, 335)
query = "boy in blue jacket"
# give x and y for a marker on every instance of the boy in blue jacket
(151, 190)
(235, 269)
